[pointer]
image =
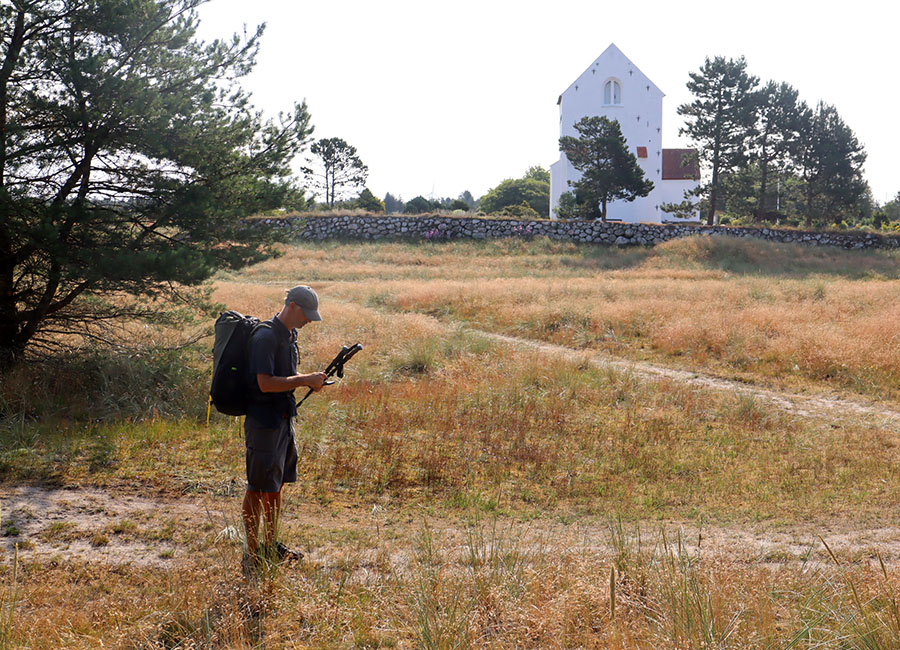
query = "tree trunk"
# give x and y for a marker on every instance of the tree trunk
(10, 353)
(603, 210)
(713, 197)
(764, 173)
(713, 193)
(9, 64)
(809, 195)
(11, 346)
(761, 206)
(333, 183)
(713, 189)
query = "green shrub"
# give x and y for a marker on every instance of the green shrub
(521, 211)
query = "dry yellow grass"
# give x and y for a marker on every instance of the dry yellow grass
(842, 333)
(434, 426)
(432, 416)
(745, 308)
(483, 585)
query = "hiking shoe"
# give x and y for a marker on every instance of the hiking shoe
(281, 554)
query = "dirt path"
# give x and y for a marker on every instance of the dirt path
(822, 406)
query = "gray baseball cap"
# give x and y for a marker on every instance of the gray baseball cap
(305, 298)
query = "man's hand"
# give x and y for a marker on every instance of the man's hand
(316, 380)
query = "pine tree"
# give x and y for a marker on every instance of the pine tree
(608, 170)
(369, 202)
(831, 161)
(469, 200)
(342, 168)
(781, 116)
(128, 155)
(392, 204)
(418, 205)
(721, 120)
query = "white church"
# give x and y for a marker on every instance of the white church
(614, 87)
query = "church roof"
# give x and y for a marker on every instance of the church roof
(680, 165)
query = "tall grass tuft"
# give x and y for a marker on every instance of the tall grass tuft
(8, 601)
(862, 620)
(689, 612)
(426, 354)
(442, 605)
(498, 559)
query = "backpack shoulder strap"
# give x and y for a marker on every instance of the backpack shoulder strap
(262, 323)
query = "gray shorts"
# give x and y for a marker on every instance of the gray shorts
(271, 455)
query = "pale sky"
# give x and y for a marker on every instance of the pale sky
(439, 98)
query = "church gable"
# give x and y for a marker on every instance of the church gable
(613, 79)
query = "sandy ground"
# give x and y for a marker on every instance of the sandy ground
(93, 524)
(67, 524)
(86, 524)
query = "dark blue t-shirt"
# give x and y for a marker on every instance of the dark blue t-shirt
(272, 351)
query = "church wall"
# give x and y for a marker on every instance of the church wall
(672, 191)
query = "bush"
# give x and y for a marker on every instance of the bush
(419, 205)
(521, 211)
(574, 205)
(567, 207)
(369, 202)
(512, 192)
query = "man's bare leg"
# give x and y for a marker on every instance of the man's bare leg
(250, 511)
(269, 505)
(271, 510)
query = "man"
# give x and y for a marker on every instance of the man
(269, 424)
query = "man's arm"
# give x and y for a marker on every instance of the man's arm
(274, 384)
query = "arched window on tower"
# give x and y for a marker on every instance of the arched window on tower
(612, 92)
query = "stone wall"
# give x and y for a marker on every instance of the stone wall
(438, 228)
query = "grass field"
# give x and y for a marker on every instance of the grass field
(456, 491)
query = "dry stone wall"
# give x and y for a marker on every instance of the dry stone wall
(439, 228)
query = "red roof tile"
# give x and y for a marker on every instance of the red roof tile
(680, 164)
